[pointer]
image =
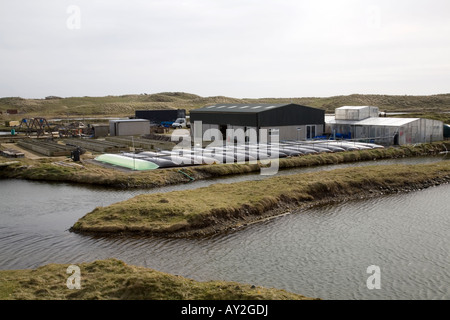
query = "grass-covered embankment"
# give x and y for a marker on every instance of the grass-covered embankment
(222, 206)
(48, 169)
(114, 280)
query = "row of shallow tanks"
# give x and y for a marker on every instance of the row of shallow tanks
(244, 153)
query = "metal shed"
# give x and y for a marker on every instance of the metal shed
(288, 121)
(385, 131)
(100, 130)
(129, 127)
(356, 113)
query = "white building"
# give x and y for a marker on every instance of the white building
(364, 123)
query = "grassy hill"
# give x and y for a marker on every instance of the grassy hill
(125, 105)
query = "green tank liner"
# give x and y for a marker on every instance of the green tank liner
(127, 162)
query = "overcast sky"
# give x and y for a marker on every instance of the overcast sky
(236, 48)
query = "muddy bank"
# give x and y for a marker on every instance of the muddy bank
(87, 172)
(222, 207)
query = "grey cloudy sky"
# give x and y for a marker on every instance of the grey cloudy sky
(237, 48)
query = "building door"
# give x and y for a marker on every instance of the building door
(396, 139)
(223, 130)
(310, 132)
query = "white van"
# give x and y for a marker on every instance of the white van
(181, 123)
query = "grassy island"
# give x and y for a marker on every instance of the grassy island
(220, 207)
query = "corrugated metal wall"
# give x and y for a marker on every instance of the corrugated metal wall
(418, 131)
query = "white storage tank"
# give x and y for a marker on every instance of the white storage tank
(356, 113)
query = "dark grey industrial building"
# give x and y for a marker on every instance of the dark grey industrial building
(288, 121)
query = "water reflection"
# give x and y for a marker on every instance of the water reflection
(321, 252)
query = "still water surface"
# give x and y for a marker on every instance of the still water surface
(322, 252)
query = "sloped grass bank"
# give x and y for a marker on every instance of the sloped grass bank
(114, 280)
(93, 174)
(219, 207)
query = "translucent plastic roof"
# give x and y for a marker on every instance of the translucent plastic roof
(374, 121)
(353, 107)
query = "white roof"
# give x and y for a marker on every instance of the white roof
(129, 120)
(354, 107)
(379, 121)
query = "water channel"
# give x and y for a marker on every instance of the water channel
(322, 252)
